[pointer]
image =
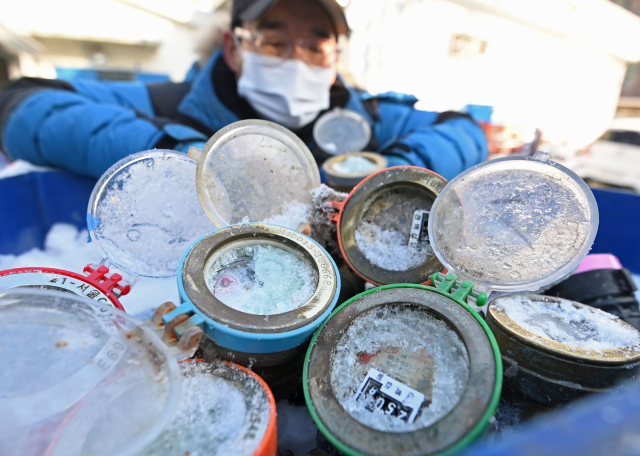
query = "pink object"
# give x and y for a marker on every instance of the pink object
(598, 261)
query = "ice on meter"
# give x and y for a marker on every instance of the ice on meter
(390, 249)
(262, 279)
(354, 164)
(146, 213)
(78, 378)
(516, 223)
(222, 411)
(568, 323)
(412, 348)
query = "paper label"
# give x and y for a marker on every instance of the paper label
(412, 367)
(419, 230)
(383, 394)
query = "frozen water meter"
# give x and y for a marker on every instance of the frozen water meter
(224, 410)
(343, 172)
(80, 377)
(258, 291)
(382, 226)
(341, 131)
(143, 214)
(555, 350)
(405, 370)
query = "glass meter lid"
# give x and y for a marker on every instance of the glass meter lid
(144, 212)
(341, 131)
(513, 224)
(79, 378)
(256, 171)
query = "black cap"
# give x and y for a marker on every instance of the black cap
(251, 10)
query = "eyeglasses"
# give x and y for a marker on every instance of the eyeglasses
(313, 51)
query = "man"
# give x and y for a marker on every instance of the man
(278, 63)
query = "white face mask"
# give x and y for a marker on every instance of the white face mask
(286, 91)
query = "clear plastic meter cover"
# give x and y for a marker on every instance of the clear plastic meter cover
(144, 212)
(256, 171)
(79, 378)
(341, 131)
(514, 224)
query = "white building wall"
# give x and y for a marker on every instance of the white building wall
(545, 76)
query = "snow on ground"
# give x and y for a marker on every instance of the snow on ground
(67, 248)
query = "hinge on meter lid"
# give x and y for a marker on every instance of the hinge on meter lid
(181, 339)
(451, 286)
(102, 279)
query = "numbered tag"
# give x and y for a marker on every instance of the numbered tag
(419, 230)
(383, 394)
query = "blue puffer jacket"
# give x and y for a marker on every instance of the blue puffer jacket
(86, 127)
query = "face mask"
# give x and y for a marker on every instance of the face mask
(286, 91)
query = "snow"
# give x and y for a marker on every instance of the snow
(389, 249)
(293, 216)
(409, 345)
(354, 164)
(568, 323)
(20, 167)
(214, 415)
(262, 279)
(66, 248)
(323, 230)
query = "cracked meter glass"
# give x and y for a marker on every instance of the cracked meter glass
(79, 378)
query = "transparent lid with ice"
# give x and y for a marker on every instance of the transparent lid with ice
(144, 212)
(256, 171)
(79, 378)
(514, 224)
(341, 131)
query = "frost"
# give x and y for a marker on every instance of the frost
(566, 323)
(512, 371)
(149, 215)
(389, 249)
(67, 248)
(409, 345)
(354, 164)
(293, 216)
(214, 415)
(262, 279)
(512, 222)
(323, 230)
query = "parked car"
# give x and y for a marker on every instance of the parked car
(613, 159)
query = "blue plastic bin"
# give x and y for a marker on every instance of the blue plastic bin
(604, 424)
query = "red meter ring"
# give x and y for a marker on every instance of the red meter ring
(98, 285)
(410, 180)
